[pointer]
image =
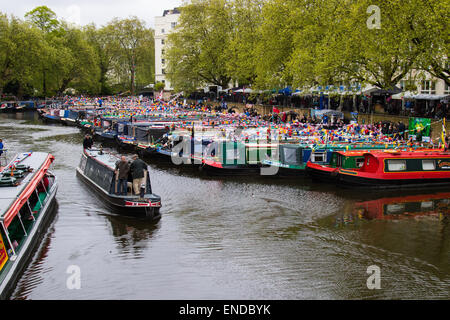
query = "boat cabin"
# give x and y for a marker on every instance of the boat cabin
(27, 189)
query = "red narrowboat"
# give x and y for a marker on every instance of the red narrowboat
(398, 169)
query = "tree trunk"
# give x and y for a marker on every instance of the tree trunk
(132, 82)
(133, 76)
(341, 103)
(19, 91)
(64, 85)
(44, 83)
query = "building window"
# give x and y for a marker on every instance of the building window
(162, 41)
(173, 24)
(447, 89)
(163, 61)
(428, 87)
(162, 30)
(396, 165)
(163, 81)
(407, 85)
(162, 52)
(163, 71)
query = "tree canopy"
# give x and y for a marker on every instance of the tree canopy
(278, 43)
(43, 55)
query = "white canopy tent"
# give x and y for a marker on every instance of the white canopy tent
(246, 90)
(421, 96)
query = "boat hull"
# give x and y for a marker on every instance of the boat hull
(27, 251)
(355, 181)
(118, 203)
(244, 170)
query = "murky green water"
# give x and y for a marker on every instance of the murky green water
(230, 238)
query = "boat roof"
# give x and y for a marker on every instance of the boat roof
(104, 157)
(9, 195)
(352, 153)
(432, 153)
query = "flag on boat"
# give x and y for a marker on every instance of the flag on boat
(275, 110)
(444, 133)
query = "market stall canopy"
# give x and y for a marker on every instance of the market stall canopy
(286, 91)
(377, 91)
(246, 90)
(421, 96)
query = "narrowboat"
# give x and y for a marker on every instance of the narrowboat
(293, 159)
(236, 158)
(398, 169)
(70, 118)
(343, 160)
(96, 169)
(51, 116)
(11, 107)
(178, 148)
(339, 159)
(27, 204)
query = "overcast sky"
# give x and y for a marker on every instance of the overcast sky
(100, 12)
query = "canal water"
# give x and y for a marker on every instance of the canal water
(231, 238)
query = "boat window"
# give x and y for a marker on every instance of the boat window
(360, 161)
(427, 205)
(428, 165)
(339, 161)
(290, 155)
(318, 157)
(395, 208)
(232, 154)
(396, 165)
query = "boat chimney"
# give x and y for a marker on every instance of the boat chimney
(142, 191)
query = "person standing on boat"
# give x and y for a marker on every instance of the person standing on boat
(122, 170)
(1, 147)
(88, 142)
(138, 172)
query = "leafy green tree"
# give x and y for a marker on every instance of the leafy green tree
(20, 53)
(102, 42)
(44, 18)
(79, 65)
(427, 29)
(246, 19)
(197, 52)
(159, 86)
(132, 47)
(275, 44)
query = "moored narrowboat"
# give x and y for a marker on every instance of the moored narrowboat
(236, 158)
(96, 169)
(27, 204)
(339, 159)
(398, 169)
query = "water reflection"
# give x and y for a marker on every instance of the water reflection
(233, 237)
(434, 204)
(132, 234)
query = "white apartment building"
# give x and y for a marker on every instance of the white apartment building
(163, 26)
